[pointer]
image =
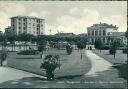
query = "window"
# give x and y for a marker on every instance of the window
(92, 33)
(19, 32)
(96, 33)
(24, 19)
(19, 23)
(24, 23)
(19, 18)
(24, 28)
(19, 27)
(99, 32)
(104, 32)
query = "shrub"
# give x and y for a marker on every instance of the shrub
(105, 48)
(69, 49)
(50, 63)
(125, 51)
(28, 52)
(112, 51)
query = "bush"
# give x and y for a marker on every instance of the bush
(105, 48)
(69, 49)
(50, 63)
(28, 52)
(125, 51)
(112, 51)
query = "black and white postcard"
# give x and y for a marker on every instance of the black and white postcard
(63, 44)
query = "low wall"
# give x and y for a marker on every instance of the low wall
(18, 47)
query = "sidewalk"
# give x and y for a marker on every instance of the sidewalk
(7, 74)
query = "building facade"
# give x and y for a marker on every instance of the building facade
(8, 31)
(100, 31)
(28, 24)
(119, 36)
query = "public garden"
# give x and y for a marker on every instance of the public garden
(62, 63)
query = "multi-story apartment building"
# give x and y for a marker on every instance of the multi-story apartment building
(28, 24)
(100, 31)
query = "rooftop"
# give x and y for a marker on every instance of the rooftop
(20, 16)
(65, 34)
(117, 34)
(104, 25)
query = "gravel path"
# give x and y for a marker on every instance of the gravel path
(98, 63)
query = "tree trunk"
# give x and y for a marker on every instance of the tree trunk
(41, 54)
(114, 55)
(1, 63)
(81, 54)
(100, 50)
(50, 75)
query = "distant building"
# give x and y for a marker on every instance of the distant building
(82, 35)
(65, 34)
(100, 31)
(119, 36)
(8, 31)
(27, 24)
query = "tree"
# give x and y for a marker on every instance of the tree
(113, 48)
(41, 46)
(69, 49)
(26, 38)
(98, 44)
(81, 44)
(50, 63)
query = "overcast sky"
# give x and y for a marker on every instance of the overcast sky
(67, 16)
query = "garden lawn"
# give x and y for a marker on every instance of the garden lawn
(119, 63)
(120, 57)
(71, 65)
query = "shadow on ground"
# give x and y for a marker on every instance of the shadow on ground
(68, 77)
(34, 82)
(24, 82)
(122, 68)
